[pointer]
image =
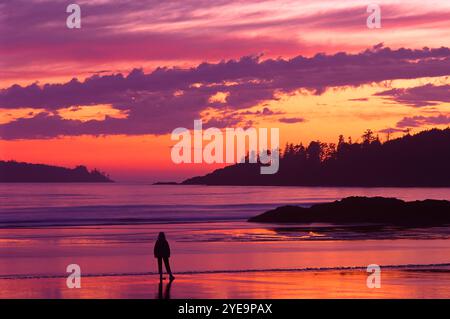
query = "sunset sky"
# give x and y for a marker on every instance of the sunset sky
(109, 94)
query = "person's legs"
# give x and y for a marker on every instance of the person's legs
(160, 268)
(167, 264)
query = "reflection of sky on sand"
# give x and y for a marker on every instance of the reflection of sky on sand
(308, 284)
(126, 253)
(198, 247)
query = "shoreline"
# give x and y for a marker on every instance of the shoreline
(405, 267)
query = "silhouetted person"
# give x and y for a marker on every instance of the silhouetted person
(162, 252)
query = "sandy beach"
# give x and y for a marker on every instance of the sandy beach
(117, 262)
(424, 282)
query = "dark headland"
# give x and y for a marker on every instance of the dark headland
(15, 172)
(373, 210)
(419, 160)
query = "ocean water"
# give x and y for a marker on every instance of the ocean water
(24, 205)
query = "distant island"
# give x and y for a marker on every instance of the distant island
(420, 160)
(373, 210)
(15, 172)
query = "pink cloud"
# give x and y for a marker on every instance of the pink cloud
(138, 32)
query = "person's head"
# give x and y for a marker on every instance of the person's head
(162, 236)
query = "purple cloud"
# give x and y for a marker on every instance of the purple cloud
(264, 112)
(426, 95)
(417, 121)
(166, 98)
(362, 99)
(291, 120)
(391, 130)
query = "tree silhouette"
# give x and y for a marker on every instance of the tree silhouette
(412, 160)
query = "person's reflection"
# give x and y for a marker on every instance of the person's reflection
(166, 291)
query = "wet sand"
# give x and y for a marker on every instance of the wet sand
(395, 283)
(218, 260)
